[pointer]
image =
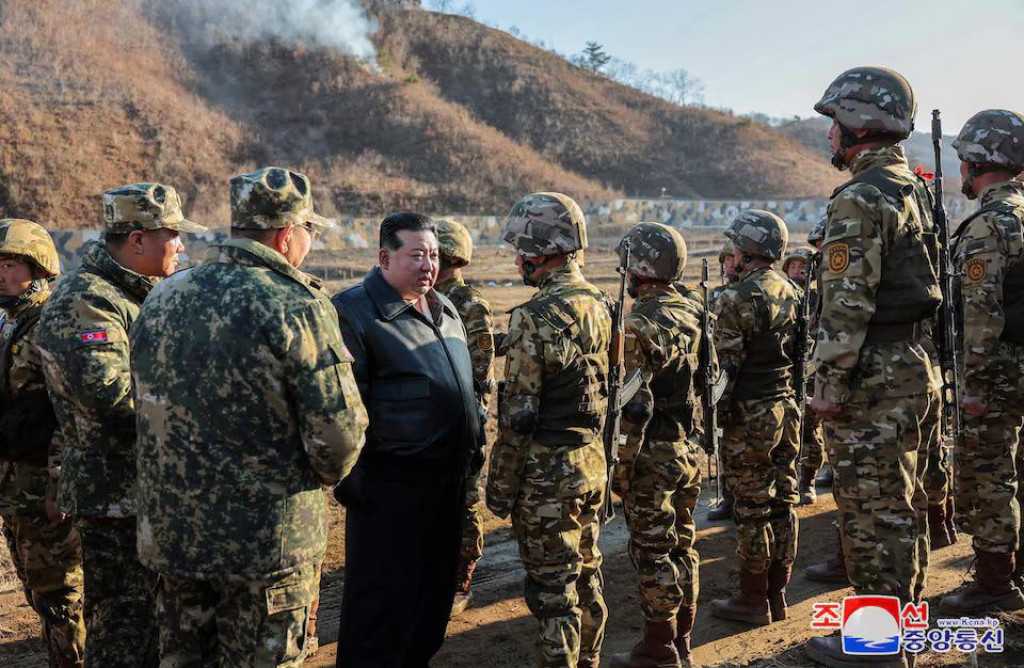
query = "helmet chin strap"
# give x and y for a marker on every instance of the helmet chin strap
(529, 269)
(38, 285)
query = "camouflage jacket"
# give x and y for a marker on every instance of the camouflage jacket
(756, 320)
(863, 227)
(83, 341)
(476, 317)
(554, 396)
(986, 249)
(23, 483)
(243, 420)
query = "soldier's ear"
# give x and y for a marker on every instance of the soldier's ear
(384, 258)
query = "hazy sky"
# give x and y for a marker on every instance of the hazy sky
(777, 56)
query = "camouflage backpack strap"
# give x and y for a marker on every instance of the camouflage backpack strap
(885, 179)
(26, 319)
(994, 207)
(547, 309)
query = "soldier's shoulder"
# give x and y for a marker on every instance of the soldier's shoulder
(856, 194)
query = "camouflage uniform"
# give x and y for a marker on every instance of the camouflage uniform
(83, 340)
(47, 555)
(240, 425)
(722, 511)
(547, 467)
(457, 246)
(989, 255)
(658, 476)
(754, 339)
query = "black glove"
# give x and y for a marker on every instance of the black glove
(351, 492)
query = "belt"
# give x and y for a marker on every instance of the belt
(910, 331)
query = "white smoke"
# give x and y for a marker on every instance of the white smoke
(335, 24)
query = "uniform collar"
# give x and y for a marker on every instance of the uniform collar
(99, 260)
(390, 304)
(998, 192)
(454, 281)
(754, 272)
(566, 273)
(881, 156)
(649, 291)
(256, 254)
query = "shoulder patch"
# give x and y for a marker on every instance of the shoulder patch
(976, 270)
(93, 336)
(484, 341)
(838, 257)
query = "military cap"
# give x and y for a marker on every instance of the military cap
(29, 241)
(454, 240)
(993, 136)
(758, 232)
(545, 224)
(273, 198)
(870, 98)
(655, 251)
(145, 206)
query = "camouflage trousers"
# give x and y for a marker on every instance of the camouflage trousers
(244, 624)
(875, 447)
(987, 482)
(120, 613)
(813, 454)
(759, 453)
(939, 470)
(472, 526)
(48, 559)
(555, 521)
(664, 486)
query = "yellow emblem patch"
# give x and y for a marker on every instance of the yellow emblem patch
(976, 270)
(485, 341)
(838, 257)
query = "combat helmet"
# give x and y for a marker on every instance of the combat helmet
(655, 251)
(29, 241)
(454, 241)
(758, 232)
(724, 252)
(543, 224)
(805, 254)
(993, 137)
(870, 98)
(817, 233)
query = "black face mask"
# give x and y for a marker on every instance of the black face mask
(967, 188)
(633, 284)
(529, 268)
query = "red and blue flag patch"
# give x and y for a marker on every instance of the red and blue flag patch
(94, 336)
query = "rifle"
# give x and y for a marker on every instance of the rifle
(708, 398)
(947, 339)
(801, 348)
(613, 418)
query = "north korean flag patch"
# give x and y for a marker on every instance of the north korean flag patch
(94, 336)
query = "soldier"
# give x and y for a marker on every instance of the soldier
(990, 257)
(83, 340)
(241, 424)
(547, 467)
(754, 340)
(795, 266)
(727, 264)
(456, 247)
(46, 550)
(874, 381)
(658, 476)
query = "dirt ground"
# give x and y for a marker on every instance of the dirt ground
(498, 630)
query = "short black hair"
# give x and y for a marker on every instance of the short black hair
(396, 222)
(116, 239)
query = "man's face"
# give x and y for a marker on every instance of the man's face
(15, 276)
(300, 241)
(156, 251)
(835, 137)
(797, 270)
(412, 269)
(729, 264)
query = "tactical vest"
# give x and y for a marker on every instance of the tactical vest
(767, 370)
(1013, 283)
(27, 420)
(908, 291)
(677, 409)
(573, 401)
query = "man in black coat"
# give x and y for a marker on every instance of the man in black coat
(405, 496)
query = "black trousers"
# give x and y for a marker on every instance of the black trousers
(401, 551)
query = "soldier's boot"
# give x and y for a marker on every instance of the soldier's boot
(808, 495)
(750, 605)
(832, 571)
(722, 511)
(825, 477)
(993, 588)
(779, 576)
(828, 650)
(938, 529)
(951, 519)
(312, 641)
(463, 594)
(684, 627)
(656, 649)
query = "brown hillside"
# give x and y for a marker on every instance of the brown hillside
(595, 126)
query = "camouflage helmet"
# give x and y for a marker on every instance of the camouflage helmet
(273, 198)
(870, 98)
(545, 224)
(804, 254)
(993, 136)
(758, 232)
(145, 206)
(29, 241)
(817, 232)
(655, 251)
(724, 252)
(454, 240)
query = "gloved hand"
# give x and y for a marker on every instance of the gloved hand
(350, 492)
